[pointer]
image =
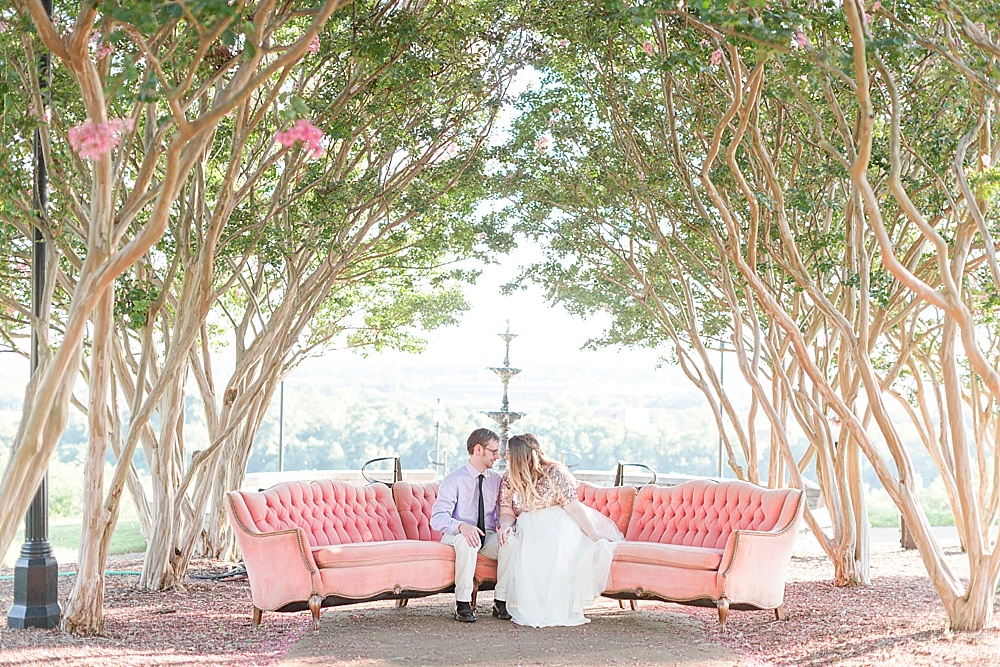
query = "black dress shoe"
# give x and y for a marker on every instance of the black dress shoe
(500, 610)
(464, 613)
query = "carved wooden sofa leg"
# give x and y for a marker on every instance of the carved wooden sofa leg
(780, 613)
(315, 606)
(475, 594)
(723, 606)
(402, 602)
(257, 614)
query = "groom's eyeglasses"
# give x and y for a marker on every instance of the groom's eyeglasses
(494, 452)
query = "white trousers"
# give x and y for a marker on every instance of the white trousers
(465, 563)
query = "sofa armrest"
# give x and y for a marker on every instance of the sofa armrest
(755, 564)
(755, 569)
(280, 564)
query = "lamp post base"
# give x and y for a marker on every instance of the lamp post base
(36, 597)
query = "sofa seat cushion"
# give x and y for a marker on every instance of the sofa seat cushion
(381, 553)
(672, 555)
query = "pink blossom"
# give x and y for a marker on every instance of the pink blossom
(563, 43)
(641, 175)
(47, 115)
(92, 140)
(104, 50)
(704, 42)
(868, 17)
(648, 47)
(877, 6)
(314, 44)
(555, 111)
(801, 39)
(716, 56)
(307, 133)
(542, 143)
(3, 27)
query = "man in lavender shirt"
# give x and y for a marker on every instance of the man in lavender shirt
(467, 517)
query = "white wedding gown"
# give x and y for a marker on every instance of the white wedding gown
(555, 569)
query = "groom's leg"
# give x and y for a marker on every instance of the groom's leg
(465, 566)
(490, 545)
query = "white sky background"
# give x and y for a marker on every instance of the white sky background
(547, 350)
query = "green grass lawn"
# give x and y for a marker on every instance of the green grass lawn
(65, 538)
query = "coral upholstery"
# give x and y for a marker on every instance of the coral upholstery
(327, 511)
(722, 543)
(328, 543)
(415, 503)
(325, 543)
(614, 502)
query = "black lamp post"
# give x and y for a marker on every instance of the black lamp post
(36, 584)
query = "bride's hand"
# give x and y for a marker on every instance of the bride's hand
(503, 533)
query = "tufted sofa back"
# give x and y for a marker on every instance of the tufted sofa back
(329, 512)
(702, 513)
(415, 502)
(614, 502)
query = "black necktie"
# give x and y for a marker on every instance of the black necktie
(481, 519)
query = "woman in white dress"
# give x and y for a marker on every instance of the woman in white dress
(562, 549)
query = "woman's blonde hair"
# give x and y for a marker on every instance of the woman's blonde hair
(526, 466)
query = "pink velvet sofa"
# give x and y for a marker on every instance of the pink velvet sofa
(327, 543)
(311, 545)
(707, 543)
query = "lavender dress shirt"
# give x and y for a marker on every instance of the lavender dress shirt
(458, 500)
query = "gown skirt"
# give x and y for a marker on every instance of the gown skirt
(555, 569)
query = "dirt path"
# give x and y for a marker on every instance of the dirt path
(898, 621)
(425, 634)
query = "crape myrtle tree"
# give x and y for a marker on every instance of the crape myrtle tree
(841, 222)
(926, 178)
(347, 246)
(605, 170)
(152, 79)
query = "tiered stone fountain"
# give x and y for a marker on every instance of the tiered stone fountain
(504, 417)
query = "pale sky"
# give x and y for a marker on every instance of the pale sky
(546, 336)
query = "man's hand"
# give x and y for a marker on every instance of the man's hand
(472, 535)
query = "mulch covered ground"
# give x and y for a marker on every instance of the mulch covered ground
(208, 623)
(896, 622)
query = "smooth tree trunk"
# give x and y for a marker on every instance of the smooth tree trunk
(84, 614)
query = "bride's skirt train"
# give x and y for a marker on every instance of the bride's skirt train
(555, 569)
